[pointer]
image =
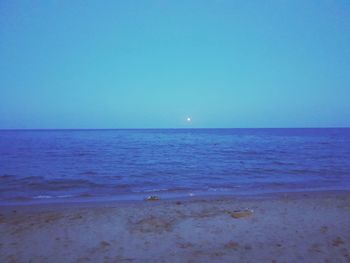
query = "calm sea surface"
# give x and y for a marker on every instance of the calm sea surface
(132, 164)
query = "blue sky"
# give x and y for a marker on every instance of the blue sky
(149, 64)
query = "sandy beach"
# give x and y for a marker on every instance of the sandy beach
(286, 227)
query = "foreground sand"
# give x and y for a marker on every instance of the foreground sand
(303, 227)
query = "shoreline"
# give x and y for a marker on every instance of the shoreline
(169, 196)
(283, 227)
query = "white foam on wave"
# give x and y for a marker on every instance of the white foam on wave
(42, 197)
(64, 196)
(51, 196)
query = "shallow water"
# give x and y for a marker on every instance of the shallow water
(70, 164)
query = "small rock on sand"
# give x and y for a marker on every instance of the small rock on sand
(241, 213)
(232, 245)
(153, 198)
(104, 244)
(338, 241)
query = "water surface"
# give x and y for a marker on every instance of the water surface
(71, 164)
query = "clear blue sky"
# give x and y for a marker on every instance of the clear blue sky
(127, 64)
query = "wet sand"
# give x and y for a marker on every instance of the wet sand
(288, 227)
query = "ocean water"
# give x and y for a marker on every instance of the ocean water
(132, 164)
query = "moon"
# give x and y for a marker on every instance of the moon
(189, 119)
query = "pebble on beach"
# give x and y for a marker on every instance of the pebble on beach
(241, 213)
(153, 198)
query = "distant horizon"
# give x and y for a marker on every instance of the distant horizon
(181, 128)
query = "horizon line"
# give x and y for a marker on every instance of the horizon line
(183, 128)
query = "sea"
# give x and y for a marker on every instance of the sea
(133, 164)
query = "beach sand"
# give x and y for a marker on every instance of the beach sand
(285, 227)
